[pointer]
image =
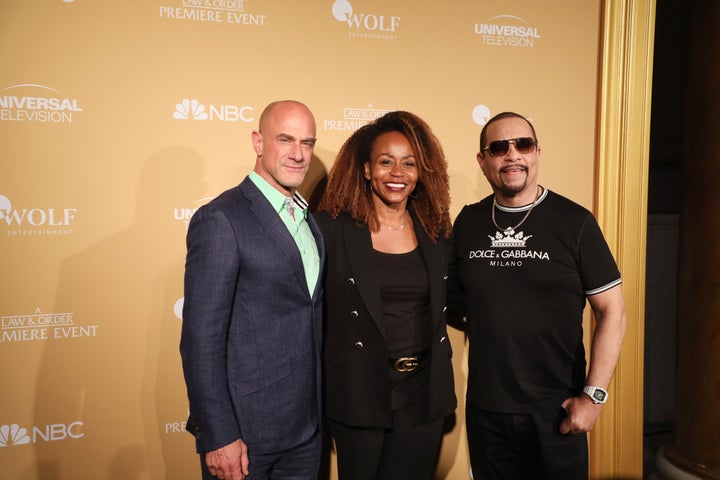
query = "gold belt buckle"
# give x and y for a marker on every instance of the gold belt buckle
(406, 364)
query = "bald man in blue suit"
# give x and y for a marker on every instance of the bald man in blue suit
(252, 318)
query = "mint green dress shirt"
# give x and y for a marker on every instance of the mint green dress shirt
(297, 226)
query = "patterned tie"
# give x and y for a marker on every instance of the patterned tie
(290, 207)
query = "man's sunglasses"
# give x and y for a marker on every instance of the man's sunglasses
(499, 148)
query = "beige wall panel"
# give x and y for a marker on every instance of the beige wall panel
(156, 101)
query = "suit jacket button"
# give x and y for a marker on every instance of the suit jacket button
(351, 280)
(445, 277)
(359, 345)
(445, 308)
(354, 314)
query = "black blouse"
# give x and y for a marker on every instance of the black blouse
(405, 291)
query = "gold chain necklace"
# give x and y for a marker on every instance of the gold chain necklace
(512, 229)
(399, 227)
(388, 227)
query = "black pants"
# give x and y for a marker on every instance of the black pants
(524, 446)
(407, 452)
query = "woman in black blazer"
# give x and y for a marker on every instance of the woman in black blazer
(387, 357)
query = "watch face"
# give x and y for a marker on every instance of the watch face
(599, 395)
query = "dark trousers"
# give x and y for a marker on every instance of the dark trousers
(299, 463)
(407, 452)
(524, 446)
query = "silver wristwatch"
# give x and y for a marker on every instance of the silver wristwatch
(596, 394)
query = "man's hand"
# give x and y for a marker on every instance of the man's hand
(581, 416)
(229, 462)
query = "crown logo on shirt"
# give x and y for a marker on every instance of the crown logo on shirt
(508, 238)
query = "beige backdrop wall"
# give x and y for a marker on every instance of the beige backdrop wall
(118, 119)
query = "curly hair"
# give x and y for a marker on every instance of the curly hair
(348, 191)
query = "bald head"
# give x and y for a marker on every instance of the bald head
(283, 108)
(284, 144)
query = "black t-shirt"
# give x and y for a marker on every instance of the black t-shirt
(523, 292)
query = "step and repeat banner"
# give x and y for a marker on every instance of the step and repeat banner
(118, 119)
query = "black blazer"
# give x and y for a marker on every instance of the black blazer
(357, 390)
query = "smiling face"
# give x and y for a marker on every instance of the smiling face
(513, 176)
(284, 145)
(392, 170)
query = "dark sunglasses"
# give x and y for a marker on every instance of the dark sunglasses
(499, 148)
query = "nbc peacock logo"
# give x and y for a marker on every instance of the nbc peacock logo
(192, 109)
(13, 435)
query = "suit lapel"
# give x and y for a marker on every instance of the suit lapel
(321, 250)
(433, 255)
(277, 231)
(357, 242)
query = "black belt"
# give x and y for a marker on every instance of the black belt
(407, 363)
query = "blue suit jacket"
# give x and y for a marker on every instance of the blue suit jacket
(252, 332)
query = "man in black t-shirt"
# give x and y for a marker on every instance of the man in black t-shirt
(526, 260)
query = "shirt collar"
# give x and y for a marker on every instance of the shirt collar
(277, 199)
